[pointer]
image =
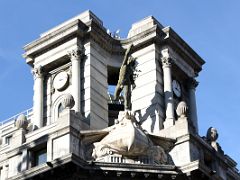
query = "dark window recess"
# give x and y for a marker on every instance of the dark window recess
(8, 140)
(60, 109)
(44, 121)
(114, 106)
(39, 157)
(113, 111)
(1, 168)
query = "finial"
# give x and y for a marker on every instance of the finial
(21, 122)
(182, 109)
(68, 101)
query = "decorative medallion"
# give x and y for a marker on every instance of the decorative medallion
(60, 81)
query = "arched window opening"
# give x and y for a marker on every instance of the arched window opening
(60, 109)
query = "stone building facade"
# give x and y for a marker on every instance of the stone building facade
(77, 130)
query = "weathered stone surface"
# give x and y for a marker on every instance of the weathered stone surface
(182, 109)
(21, 122)
(142, 140)
(68, 101)
(127, 141)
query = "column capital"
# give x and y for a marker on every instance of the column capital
(76, 54)
(166, 62)
(29, 59)
(166, 58)
(37, 72)
(192, 83)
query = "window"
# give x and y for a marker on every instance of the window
(38, 155)
(114, 106)
(60, 109)
(8, 140)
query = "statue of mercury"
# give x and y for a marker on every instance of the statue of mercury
(126, 78)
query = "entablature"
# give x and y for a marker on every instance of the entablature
(183, 49)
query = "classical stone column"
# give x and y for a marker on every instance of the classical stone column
(192, 84)
(168, 93)
(75, 56)
(38, 97)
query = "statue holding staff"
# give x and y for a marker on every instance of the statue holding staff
(126, 78)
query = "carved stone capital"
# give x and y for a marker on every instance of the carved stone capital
(29, 59)
(166, 59)
(166, 62)
(192, 83)
(37, 72)
(76, 54)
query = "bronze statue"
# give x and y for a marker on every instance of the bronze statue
(211, 138)
(126, 78)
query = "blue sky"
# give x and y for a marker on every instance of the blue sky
(211, 28)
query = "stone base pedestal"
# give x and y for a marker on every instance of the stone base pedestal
(18, 138)
(180, 128)
(70, 118)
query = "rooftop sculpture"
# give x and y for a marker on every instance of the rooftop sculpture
(127, 142)
(126, 78)
(72, 126)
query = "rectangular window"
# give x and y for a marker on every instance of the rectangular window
(40, 156)
(8, 140)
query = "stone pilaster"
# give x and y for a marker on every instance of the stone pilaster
(38, 97)
(192, 84)
(168, 93)
(75, 56)
(4, 172)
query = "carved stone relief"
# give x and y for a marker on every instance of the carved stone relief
(127, 142)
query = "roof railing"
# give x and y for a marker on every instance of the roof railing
(28, 113)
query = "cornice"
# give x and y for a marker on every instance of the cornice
(99, 35)
(145, 38)
(53, 39)
(182, 48)
(93, 31)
